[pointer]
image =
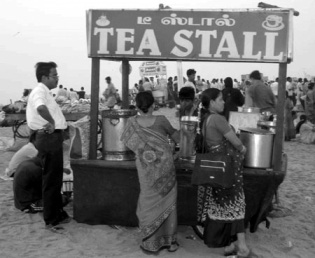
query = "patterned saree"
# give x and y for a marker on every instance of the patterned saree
(222, 211)
(156, 208)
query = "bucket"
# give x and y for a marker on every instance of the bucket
(113, 125)
(259, 144)
(188, 131)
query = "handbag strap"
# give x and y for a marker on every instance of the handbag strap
(204, 130)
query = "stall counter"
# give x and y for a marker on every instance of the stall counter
(106, 192)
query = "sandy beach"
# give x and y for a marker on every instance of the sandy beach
(291, 233)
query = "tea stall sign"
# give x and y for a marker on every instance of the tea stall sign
(215, 35)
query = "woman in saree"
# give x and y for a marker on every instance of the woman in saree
(147, 136)
(221, 211)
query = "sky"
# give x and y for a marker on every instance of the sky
(39, 30)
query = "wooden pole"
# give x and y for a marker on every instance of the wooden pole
(278, 146)
(125, 84)
(95, 88)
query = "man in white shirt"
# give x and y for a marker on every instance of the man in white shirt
(73, 95)
(290, 89)
(274, 87)
(147, 85)
(46, 121)
(191, 75)
(199, 84)
(61, 92)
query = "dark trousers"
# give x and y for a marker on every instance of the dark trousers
(50, 152)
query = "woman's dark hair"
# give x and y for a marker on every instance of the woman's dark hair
(299, 124)
(43, 69)
(255, 75)
(186, 93)
(228, 82)
(209, 94)
(206, 96)
(144, 100)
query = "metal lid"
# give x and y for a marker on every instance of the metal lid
(117, 113)
(267, 123)
(251, 110)
(255, 130)
(189, 118)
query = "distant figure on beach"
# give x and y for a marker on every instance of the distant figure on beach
(233, 98)
(289, 129)
(147, 136)
(81, 93)
(310, 103)
(47, 123)
(73, 95)
(306, 130)
(67, 93)
(191, 75)
(61, 92)
(261, 94)
(25, 95)
(147, 85)
(110, 93)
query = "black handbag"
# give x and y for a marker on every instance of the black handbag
(213, 169)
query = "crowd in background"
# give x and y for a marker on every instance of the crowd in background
(257, 91)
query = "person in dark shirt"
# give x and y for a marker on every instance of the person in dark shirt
(261, 94)
(232, 97)
(188, 103)
(81, 93)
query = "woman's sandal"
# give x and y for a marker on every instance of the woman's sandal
(231, 253)
(148, 252)
(250, 254)
(173, 248)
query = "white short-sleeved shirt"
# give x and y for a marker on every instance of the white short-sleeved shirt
(190, 84)
(41, 95)
(274, 88)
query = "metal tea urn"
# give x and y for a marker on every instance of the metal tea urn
(259, 144)
(113, 125)
(188, 131)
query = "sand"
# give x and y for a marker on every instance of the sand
(291, 234)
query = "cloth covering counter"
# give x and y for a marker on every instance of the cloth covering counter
(106, 192)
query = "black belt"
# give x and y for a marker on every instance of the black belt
(44, 131)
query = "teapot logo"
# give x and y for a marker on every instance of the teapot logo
(102, 21)
(273, 23)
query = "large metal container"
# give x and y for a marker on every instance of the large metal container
(113, 125)
(188, 131)
(251, 110)
(259, 144)
(267, 125)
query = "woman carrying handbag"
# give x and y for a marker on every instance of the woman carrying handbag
(222, 210)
